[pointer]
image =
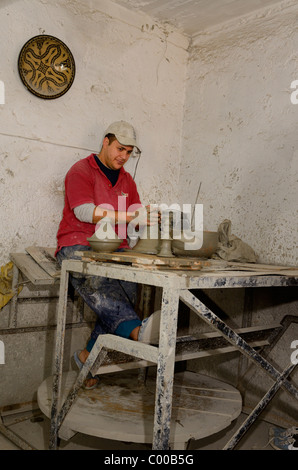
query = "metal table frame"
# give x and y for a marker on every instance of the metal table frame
(176, 285)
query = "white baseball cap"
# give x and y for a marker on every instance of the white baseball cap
(124, 133)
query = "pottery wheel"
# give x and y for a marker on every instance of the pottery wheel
(121, 409)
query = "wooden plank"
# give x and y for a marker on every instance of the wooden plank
(31, 269)
(263, 267)
(252, 269)
(45, 258)
(246, 273)
(170, 268)
(146, 260)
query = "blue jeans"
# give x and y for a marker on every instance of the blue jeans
(111, 299)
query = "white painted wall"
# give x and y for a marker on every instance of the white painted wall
(127, 67)
(240, 131)
(239, 135)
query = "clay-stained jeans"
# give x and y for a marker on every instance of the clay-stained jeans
(112, 300)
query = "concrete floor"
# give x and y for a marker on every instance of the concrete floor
(34, 428)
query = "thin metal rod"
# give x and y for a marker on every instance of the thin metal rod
(194, 207)
(258, 409)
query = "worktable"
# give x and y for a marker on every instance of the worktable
(176, 284)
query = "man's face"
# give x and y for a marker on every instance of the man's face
(115, 155)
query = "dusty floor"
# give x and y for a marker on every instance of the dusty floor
(34, 428)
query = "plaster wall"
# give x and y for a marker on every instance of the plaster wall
(127, 67)
(240, 131)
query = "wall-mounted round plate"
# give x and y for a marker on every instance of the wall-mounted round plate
(46, 66)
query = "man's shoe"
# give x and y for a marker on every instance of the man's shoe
(284, 439)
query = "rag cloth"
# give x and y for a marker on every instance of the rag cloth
(231, 248)
(6, 292)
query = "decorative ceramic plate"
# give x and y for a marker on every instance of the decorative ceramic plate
(46, 66)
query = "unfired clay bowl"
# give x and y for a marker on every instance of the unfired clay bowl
(209, 246)
(106, 245)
